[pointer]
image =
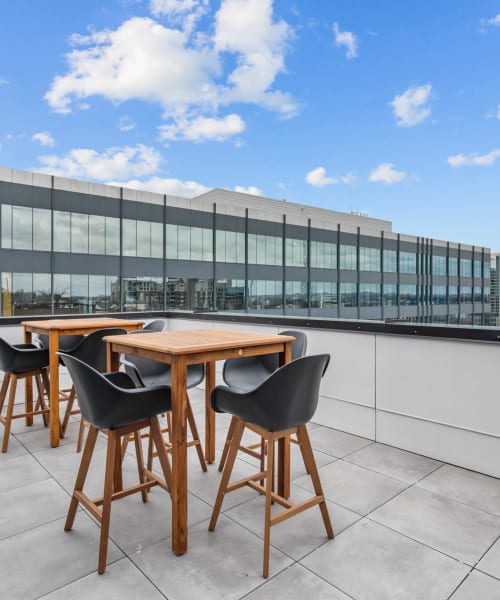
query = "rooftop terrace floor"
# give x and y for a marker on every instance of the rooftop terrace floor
(407, 527)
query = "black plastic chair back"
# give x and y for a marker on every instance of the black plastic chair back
(248, 372)
(106, 405)
(156, 325)
(21, 358)
(92, 350)
(147, 372)
(66, 342)
(287, 398)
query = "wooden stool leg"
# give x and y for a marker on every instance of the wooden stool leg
(156, 436)
(113, 444)
(269, 491)
(3, 391)
(40, 403)
(227, 443)
(140, 461)
(194, 433)
(28, 401)
(81, 477)
(312, 469)
(81, 431)
(10, 411)
(69, 408)
(226, 474)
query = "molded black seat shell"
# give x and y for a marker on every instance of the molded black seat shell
(112, 401)
(287, 398)
(22, 358)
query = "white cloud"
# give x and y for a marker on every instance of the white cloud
(186, 13)
(318, 178)
(246, 29)
(3, 81)
(491, 22)
(346, 39)
(139, 60)
(43, 138)
(125, 124)
(201, 129)
(190, 74)
(172, 187)
(254, 191)
(474, 159)
(411, 107)
(386, 173)
(172, 7)
(113, 163)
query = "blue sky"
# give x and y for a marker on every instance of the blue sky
(390, 108)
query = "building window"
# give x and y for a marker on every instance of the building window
(190, 294)
(348, 257)
(453, 266)
(369, 294)
(438, 294)
(296, 252)
(390, 294)
(189, 243)
(478, 294)
(486, 295)
(230, 246)
(453, 294)
(79, 233)
(407, 262)
(265, 295)
(142, 293)
(296, 294)
(348, 295)
(25, 228)
(142, 238)
(323, 295)
(478, 268)
(323, 255)
(230, 294)
(408, 295)
(369, 259)
(465, 294)
(265, 249)
(86, 234)
(465, 267)
(439, 265)
(25, 294)
(486, 269)
(390, 258)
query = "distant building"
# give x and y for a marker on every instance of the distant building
(70, 246)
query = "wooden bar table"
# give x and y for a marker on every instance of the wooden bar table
(179, 349)
(54, 329)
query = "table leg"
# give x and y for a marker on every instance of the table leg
(112, 360)
(28, 383)
(179, 457)
(284, 443)
(209, 413)
(54, 387)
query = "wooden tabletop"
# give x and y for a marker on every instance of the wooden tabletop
(47, 325)
(192, 341)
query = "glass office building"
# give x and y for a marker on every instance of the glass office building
(70, 246)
